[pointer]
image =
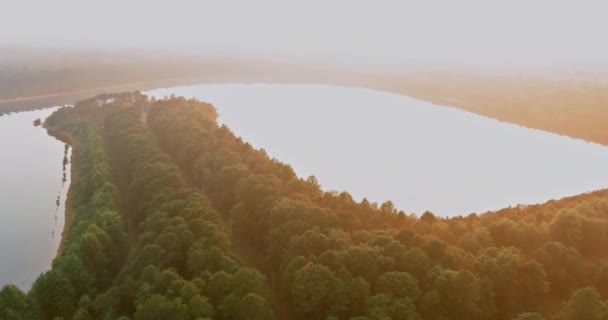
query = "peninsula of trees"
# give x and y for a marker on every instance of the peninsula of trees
(175, 217)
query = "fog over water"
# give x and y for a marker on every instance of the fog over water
(32, 197)
(385, 146)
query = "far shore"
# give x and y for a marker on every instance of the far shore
(69, 97)
(382, 82)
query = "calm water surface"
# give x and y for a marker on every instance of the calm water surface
(421, 156)
(373, 144)
(32, 197)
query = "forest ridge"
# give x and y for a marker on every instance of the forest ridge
(175, 217)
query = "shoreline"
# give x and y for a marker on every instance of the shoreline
(17, 104)
(68, 214)
(29, 103)
(66, 93)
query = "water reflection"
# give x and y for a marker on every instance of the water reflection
(383, 146)
(32, 196)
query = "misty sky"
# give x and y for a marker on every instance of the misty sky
(541, 33)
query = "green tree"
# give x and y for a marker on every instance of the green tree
(398, 284)
(585, 304)
(54, 295)
(459, 293)
(254, 307)
(199, 307)
(517, 283)
(159, 307)
(384, 307)
(317, 292)
(564, 267)
(14, 305)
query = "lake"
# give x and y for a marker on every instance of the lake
(386, 146)
(32, 197)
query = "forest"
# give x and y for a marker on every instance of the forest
(175, 217)
(565, 105)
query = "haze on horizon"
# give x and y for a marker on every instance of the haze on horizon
(485, 34)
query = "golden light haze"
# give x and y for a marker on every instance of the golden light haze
(527, 34)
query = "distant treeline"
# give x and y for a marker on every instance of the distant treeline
(37, 78)
(46, 82)
(568, 106)
(26, 72)
(177, 218)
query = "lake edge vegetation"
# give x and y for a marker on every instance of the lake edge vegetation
(176, 217)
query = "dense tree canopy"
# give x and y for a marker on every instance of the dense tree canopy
(176, 217)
